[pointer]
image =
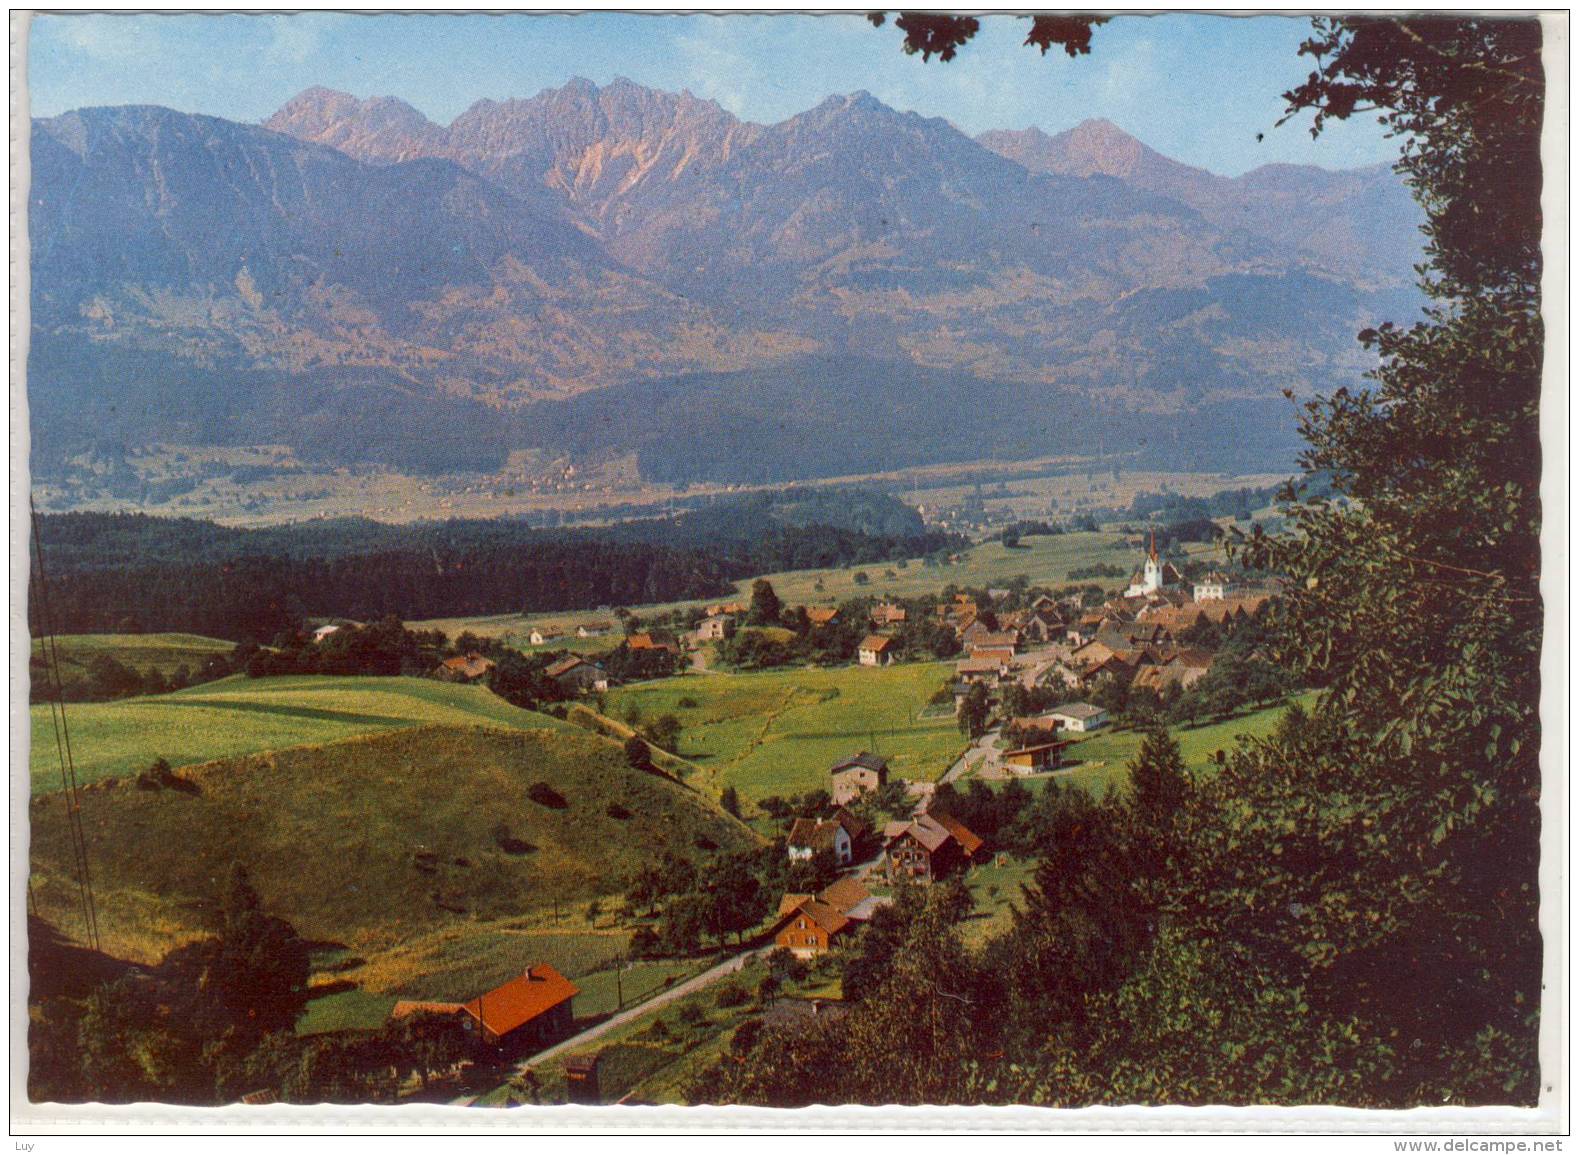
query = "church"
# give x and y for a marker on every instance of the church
(1157, 575)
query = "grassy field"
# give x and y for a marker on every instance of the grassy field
(240, 715)
(164, 652)
(778, 732)
(1106, 754)
(422, 850)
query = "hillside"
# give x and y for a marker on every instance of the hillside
(202, 282)
(375, 841)
(240, 715)
(162, 652)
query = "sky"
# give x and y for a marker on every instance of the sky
(1196, 88)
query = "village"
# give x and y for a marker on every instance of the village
(1034, 673)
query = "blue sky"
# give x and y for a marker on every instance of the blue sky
(1197, 88)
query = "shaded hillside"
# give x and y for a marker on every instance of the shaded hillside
(376, 840)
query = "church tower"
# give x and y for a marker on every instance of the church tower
(1152, 579)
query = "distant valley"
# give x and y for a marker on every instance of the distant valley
(607, 274)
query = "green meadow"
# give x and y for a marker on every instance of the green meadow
(164, 652)
(1104, 756)
(779, 731)
(240, 715)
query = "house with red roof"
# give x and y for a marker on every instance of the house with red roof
(532, 1011)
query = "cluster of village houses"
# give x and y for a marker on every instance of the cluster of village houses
(1135, 638)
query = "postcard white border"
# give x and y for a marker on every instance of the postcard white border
(1551, 1117)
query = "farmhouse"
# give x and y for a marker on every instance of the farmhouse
(578, 676)
(542, 635)
(595, 629)
(839, 835)
(1081, 717)
(928, 847)
(648, 642)
(856, 776)
(809, 924)
(711, 629)
(465, 668)
(822, 615)
(726, 609)
(527, 1013)
(531, 1011)
(876, 650)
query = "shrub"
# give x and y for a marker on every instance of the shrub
(732, 995)
(545, 795)
(616, 811)
(691, 1014)
(637, 754)
(687, 703)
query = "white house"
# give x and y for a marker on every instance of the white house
(711, 630)
(543, 635)
(1081, 717)
(594, 629)
(807, 837)
(323, 632)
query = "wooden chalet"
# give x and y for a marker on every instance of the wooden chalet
(928, 847)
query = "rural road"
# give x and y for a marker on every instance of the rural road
(980, 750)
(691, 985)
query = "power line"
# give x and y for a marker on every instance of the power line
(49, 651)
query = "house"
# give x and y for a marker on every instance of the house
(526, 1014)
(876, 650)
(928, 847)
(886, 614)
(856, 776)
(648, 642)
(1182, 668)
(990, 670)
(809, 924)
(323, 632)
(1214, 587)
(543, 635)
(1004, 657)
(596, 629)
(822, 615)
(1081, 717)
(978, 636)
(1029, 731)
(726, 609)
(531, 1011)
(1042, 627)
(465, 668)
(1035, 758)
(711, 629)
(839, 834)
(578, 675)
(997, 594)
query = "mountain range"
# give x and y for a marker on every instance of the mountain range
(599, 268)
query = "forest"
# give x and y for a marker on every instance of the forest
(135, 573)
